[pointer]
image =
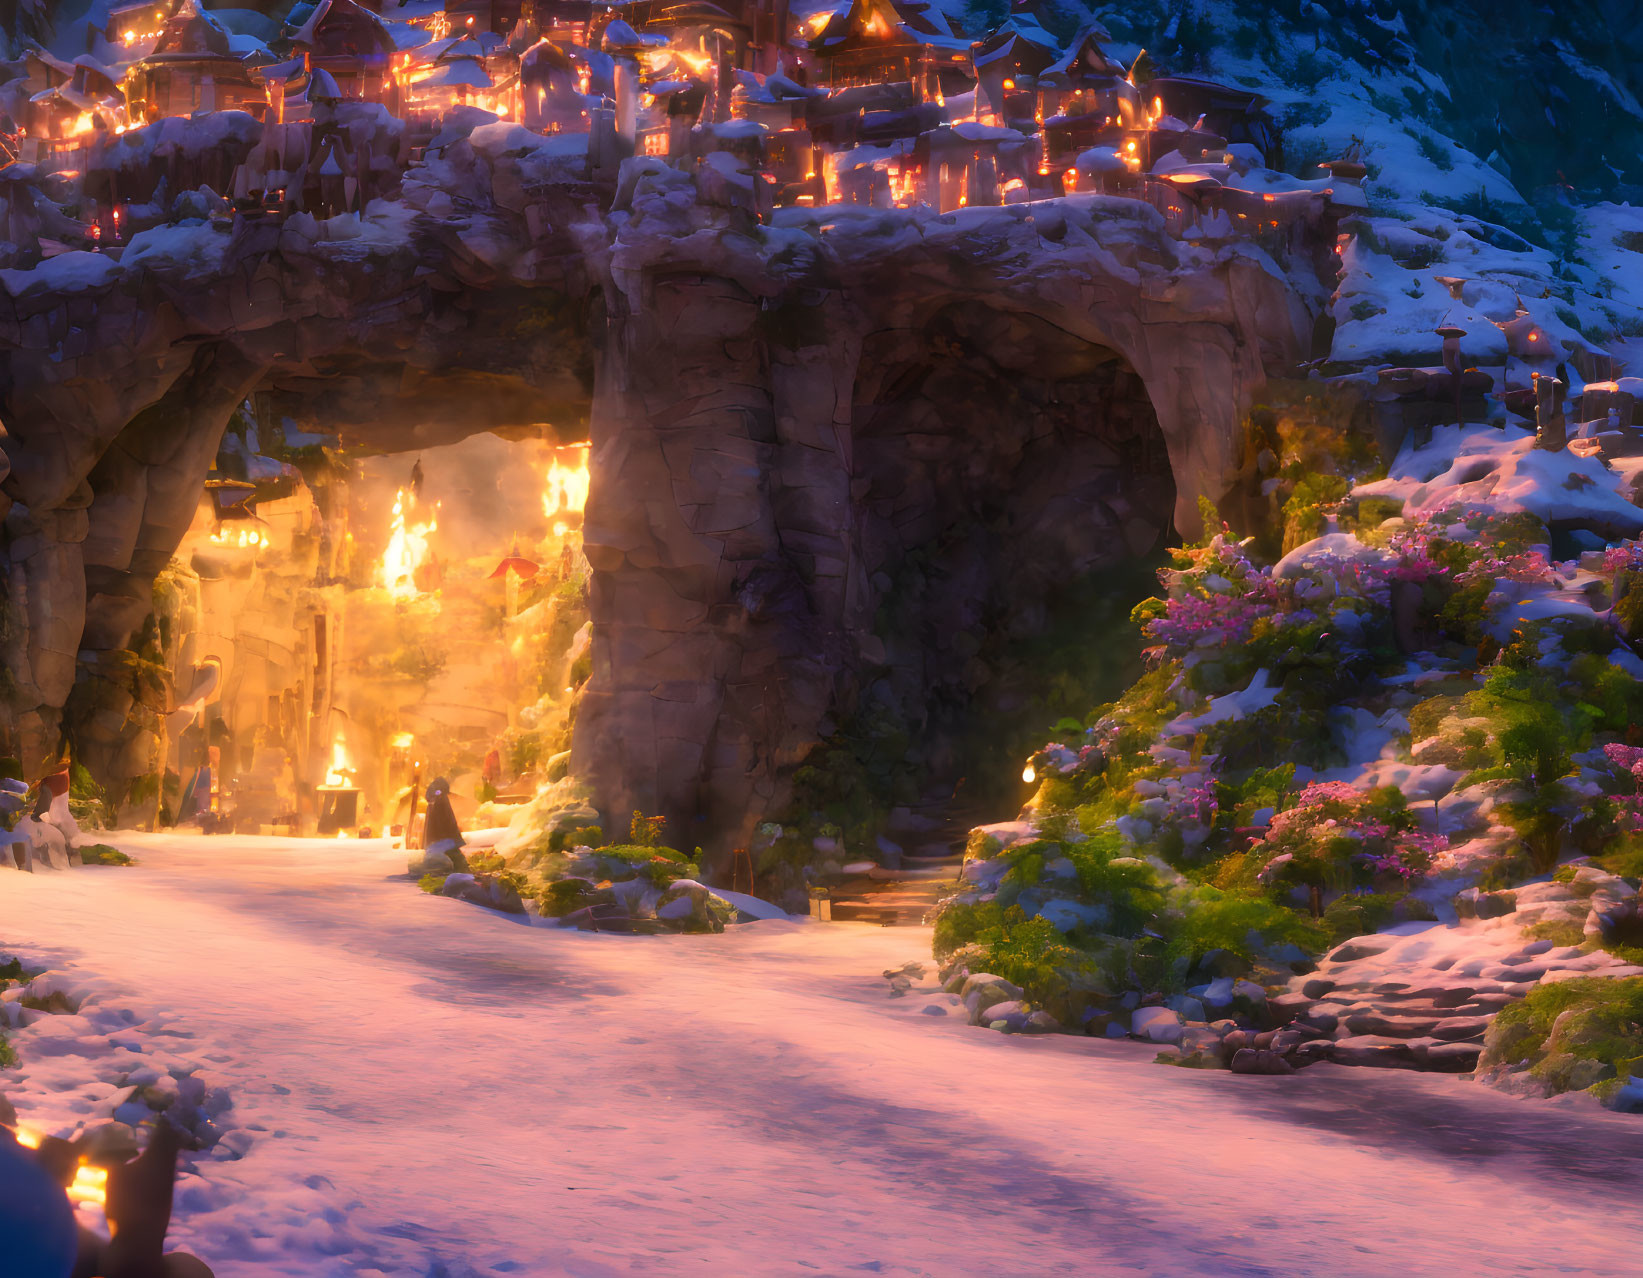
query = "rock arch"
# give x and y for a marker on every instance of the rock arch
(734, 558)
(719, 363)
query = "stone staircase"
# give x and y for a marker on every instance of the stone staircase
(1394, 1023)
(928, 873)
(1422, 996)
(898, 898)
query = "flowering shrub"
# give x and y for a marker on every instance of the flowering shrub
(1413, 559)
(1219, 599)
(1214, 599)
(1337, 836)
(1625, 758)
(1628, 813)
(1193, 805)
(1529, 567)
(1627, 556)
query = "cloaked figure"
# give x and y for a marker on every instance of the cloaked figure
(440, 832)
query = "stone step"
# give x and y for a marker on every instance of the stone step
(1451, 1058)
(1462, 1028)
(931, 873)
(1381, 1026)
(1367, 1050)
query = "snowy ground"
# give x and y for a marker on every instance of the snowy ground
(431, 1088)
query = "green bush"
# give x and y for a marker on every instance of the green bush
(587, 836)
(1371, 513)
(102, 854)
(563, 896)
(8, 1054)
(1241, 925)
(1604, 1023)
(1026, 951)
(1304, 511)
(1109, 876)
(640, 854)
(646, 831)
(431, 883)
(1360, 913)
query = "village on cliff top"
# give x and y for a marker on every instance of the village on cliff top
(1159, 530)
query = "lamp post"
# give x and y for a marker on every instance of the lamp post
(1451, 334)
(1551, 430)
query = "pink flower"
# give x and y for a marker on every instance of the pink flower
(1627, 555)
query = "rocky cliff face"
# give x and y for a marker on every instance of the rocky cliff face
(783, 418)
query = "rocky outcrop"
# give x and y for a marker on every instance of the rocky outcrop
(783, 418)
(786, 419)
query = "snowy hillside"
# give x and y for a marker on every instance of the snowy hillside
(1511, 169)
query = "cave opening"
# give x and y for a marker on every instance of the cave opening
(1014, 499)
(339, 628)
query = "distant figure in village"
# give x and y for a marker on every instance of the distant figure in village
(440, 832)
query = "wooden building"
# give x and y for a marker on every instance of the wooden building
(1008, 62)
(550, 89)
(886, 41)
(350, 42)
(499, 16)
(191, 68)
(1235, 114)
(1086, 100)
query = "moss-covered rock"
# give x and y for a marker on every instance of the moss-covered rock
(102, 854)
(1575, 1035)
(688, 906)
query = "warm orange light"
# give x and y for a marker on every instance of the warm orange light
(407, 551)
(90, 1185)
(567, 484)
(341, 766)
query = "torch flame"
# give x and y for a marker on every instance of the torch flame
(407, 551)
(243, 537)
(90, 1185)
(567, 485)
(341, 764)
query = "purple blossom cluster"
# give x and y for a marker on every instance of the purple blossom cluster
(1529, 567)
(1625, 758)
(1194, 805)
(1204, 620)
(1414, 562)
(1308, 834)
(1628, 813)
(1628, 555)
(1216, 601)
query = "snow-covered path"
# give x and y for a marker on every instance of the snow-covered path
(432, 1088)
